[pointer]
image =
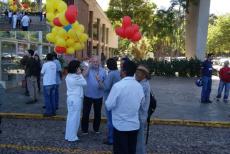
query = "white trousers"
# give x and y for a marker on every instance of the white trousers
(74, 106)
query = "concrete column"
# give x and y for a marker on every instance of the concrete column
(40, 43)
(197, 28)
(98, 36)
(90, 32)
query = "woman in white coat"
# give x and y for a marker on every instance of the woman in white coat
(75, 83)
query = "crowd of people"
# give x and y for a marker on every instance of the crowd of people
(19, 20)
(125, 94)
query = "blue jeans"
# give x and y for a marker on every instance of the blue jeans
(141, 148)
(109, 126)
(49, 97)
(57, 96)
(206, 88)
(223, 85)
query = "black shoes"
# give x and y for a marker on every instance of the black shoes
(206, 102)
(107, 142)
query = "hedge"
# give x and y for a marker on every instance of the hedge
(180, 68)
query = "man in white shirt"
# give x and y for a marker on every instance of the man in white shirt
(124, 101)
(49, 81)
(25, 22)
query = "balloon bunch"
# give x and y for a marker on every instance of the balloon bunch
(13, 5)
(67, 34)
(129, 30)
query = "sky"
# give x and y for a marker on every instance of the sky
(218, 7)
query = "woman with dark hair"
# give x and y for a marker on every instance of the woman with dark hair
(75, 83)
(111, 79)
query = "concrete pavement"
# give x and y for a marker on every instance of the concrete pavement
(177, 98)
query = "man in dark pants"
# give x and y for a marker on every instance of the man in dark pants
(95, 76)
(23, 62)
(206, 73)
(124, 101)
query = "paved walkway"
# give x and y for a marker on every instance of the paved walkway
(178, 98)
(35, 25)
(47, 137)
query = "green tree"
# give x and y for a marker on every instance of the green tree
(219, 35)
(141, 12)
(168, 32)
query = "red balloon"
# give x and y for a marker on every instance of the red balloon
(60, 50)
(25, 5)
(57, 22)
(126, 22)
(120, 32)
(71, 14)
(136, 37)
(135, 28)
(129, 32)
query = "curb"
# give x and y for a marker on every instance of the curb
(176, 122)
(51, 149)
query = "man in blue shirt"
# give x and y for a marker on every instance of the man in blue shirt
(206, 73)
(95, 75)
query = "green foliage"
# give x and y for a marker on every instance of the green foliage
(184, 68)
(141, 12)
(219, 35)
(168, 31)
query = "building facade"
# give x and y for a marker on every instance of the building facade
(13, 45)
(102, 37)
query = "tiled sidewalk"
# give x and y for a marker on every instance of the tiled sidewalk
(178, 98)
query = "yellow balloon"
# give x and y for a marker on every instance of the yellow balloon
(75, 25)
(78, 27)
(62, 7)
(50, 37)
(60, 42)
(81, 28)
(70, 42)
(49, 6)
(56, 29)
(55, 4)
(72, 34)
(62, 33)
(70, 51)
(78, 46)
(63, 19)
(83, 37)
(50, 17)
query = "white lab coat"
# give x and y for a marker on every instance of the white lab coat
(75, 95)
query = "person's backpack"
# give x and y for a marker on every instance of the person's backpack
(152, 106)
